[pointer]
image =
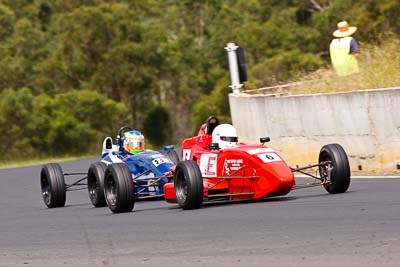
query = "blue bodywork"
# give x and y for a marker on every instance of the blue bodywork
(150, 170)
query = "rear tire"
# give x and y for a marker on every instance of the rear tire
(188, 185)
(340, 173)
(119, 188)
(95, 181)
(172, 156)
(52, 183)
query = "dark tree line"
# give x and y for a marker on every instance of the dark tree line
(72, 71)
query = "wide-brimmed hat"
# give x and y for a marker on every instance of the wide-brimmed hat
(344, 30)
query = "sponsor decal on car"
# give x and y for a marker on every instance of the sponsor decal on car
(232, 165)
(208, 165)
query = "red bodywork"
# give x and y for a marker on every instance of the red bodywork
(242, 172)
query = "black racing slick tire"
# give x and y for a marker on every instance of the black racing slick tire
(172, 156)
(52, 183)
(339, 168)
(119, 188)
(95, 182)
(188, 185)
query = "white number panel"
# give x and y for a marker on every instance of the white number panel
(208, 165)
(269, 157)
(158, 161)
(186, 154)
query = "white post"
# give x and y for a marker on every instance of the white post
(233, 67)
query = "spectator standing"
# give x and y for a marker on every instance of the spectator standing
(344, 50)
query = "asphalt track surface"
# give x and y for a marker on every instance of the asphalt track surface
(308, 227)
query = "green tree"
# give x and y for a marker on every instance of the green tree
(170, 53)
(216, 104)
(73, 122)
(7, 21)
(15, 113)
(156, 126)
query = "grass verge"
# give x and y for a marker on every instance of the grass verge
(5, 164)
(379, 68)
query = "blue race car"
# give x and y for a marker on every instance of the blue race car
(117, 180)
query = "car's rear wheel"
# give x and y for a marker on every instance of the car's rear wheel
(119, 188)
(338, 169)
(188, 185)
(95, 181)
(52, 183)
(172, 156)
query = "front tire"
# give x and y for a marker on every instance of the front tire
(52, 183)
(339, 168)
(95, 181)
(188, 185)
(119, 188)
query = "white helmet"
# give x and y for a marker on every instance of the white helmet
(225, 135)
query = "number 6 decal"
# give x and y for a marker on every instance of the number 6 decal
(269, 157)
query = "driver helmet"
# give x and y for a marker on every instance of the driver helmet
(133, 142)
(225, 135)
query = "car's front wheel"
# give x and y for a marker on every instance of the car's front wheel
(119, 188)
(336, 170)
(188, 185)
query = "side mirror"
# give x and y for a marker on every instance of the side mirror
(108, 143)
(213, 146)
(264, 140)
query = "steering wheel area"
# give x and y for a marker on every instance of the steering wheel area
(211, 123)
(120, 133)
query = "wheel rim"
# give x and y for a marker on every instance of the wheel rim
(93, 188)
(111, 190)
(46, 192)
(181, 187)
(325, 169)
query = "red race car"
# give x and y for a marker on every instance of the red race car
(215, 166)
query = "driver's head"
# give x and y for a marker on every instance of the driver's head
(133, 142)
(225, 135)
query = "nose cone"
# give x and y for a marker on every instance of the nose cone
(276, 179)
